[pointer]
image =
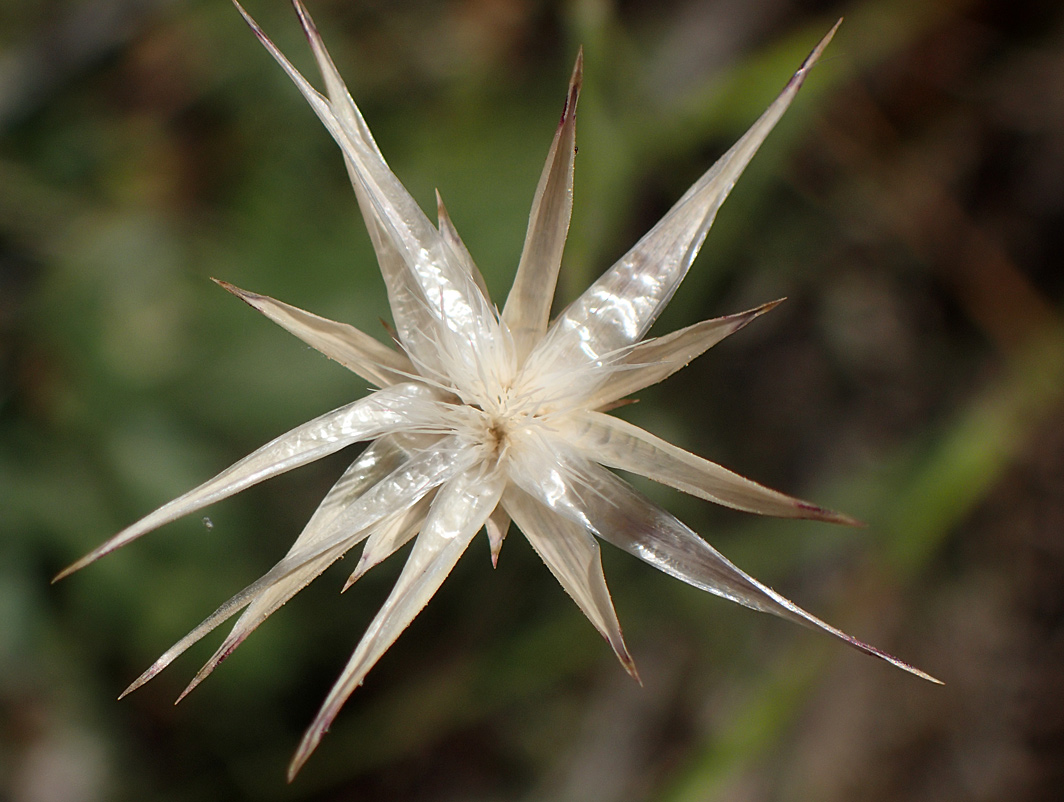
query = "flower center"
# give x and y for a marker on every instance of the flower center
(496, 438)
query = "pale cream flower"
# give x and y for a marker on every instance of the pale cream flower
(485, 417)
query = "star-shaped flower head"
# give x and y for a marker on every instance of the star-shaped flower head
(482, 418)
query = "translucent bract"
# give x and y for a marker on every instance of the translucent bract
(483, 417)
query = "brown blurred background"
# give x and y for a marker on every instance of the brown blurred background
(911, 208)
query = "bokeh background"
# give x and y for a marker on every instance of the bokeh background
(910, 207)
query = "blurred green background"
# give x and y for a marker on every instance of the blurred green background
(910, 206)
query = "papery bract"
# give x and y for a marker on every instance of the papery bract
(485, 417)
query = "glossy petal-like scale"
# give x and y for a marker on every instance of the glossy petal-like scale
(460, 508)
(572, 555)
(619, 308)
(527, 309)
(355, 350)
(618, 444)
(648, 362)
(406, 406)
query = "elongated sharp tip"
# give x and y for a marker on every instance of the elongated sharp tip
(142, 679)
(576, 82)
(768, 307)
(250, 21)
(796, 81)
(306, 747)
(188, 690)
(817, 513)
(496, 536)
(77, 566)
(361, 567)
(355, 576)
(822, 44)
(894, 661)
(442, 217)
(629, 664)
(155, 668)
(577, 79)
(65, 573)
(495, 546)
(293, 769)
(225, 285)
(252, 299)
(741, 319)
(814, 56)
(309, 28)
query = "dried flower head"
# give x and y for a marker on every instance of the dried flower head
(486, 417)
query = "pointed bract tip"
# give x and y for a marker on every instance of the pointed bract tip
(205, 672)
(894, 661)
(225, 285)
(305, 21)
(247, 297)
(147, 676)
(251, 22)
(306, 748)
(441, 210)
(629, 666)
(293, 770)
(576, 81)
(496, 536)
(741, 319)
(75, 567)
(186, 692)
(360, 569)
(815, 512)
(812, 58)
(769, 306)
(496, 550)
(141, 680)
